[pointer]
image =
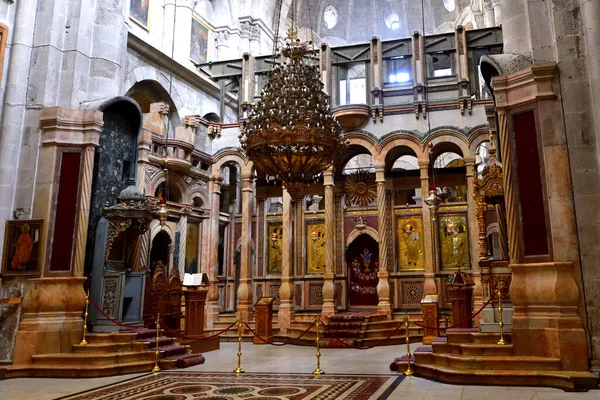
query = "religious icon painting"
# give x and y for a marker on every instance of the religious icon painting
(410, 243)
(199, 42)
(275, 249)
(454, 241)
(315, 248)
(139, 11)
(22, 247)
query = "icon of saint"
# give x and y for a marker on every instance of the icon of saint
(23, 247)
(366, 256)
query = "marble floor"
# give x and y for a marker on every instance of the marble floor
(299, 359)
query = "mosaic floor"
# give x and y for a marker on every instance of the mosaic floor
(217, 386)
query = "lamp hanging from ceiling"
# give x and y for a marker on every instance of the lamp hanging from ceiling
(291, 133)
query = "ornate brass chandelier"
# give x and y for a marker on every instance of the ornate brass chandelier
(291, 134)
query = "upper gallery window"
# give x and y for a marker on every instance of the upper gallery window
(330, 16)
(392, 21)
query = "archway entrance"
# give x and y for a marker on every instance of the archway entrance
(362, 260)
(160, 250)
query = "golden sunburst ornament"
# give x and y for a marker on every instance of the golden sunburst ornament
(360, 188)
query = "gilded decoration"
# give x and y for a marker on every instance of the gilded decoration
(411, 248)
(360, 188)
(315, 248)
(454, 241)
(275, 240)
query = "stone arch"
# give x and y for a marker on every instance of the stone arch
(148, 73)
(155, 228)
(369, 230)
(238, 244)
(228, 156)
(200, 193)
(395, 141)
(476, 138)
(179, 183)
(363, 140)
(492, 228)
(449, 137)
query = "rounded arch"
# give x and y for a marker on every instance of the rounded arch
(369, 230)
(198, 193)
(397, 145)
(130, 108)
(155, 228)
(229, 156)
(362, 140)
(492, 228)
(238, 244)
(174, 179)
(476, 138)
(448, 140)
(159, 82)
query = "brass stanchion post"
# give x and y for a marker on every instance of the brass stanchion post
(501, 323)
(318, 371)
(85, 317)
(239, 369)
(409, 370)
(156, 352)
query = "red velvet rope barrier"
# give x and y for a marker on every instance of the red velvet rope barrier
(459, 323)
(336, 338)
(182, 336)
(92, 302)
(280, 344)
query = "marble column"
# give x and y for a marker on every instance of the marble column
(383, 286)
(329, 276)
(183, 30)
(212, 299)
(168, 34)
(182, 229)
(430, 286)
(285, 315)
(244, 293)
(473, 232)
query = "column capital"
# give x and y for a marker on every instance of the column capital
(423, 163)
(469, 160)
(328, 177)
(63, 126)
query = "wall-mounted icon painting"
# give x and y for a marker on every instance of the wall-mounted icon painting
(199, 42)
(139, 11)
(22, 247)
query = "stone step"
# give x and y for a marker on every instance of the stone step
(474, 349)
(115, 337)
(456, 361)
(566, 380)
(460, 337)
(77, 371)
(88, 359)
(107, 347)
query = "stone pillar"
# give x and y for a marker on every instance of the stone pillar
(497, 12)
(329, 276)
(546, 289)
(244, 293)
(182, 229)
(222, 45)
(183, 30)
(430, 286)
(473, 231)
(51, 319)
(489, 20)
(212, 301)
(15, 104)
(168, 33)
(515, 25)
(285, 314)
(383, 286)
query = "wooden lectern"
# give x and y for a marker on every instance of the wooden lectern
(263, 320)
(431, 320)
(195, 298)
(460, 293)
(196, 289)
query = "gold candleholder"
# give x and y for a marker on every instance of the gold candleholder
(318, 371)
(85, 318)
(501, 323)
(409, 370)
(239, 369)
(156, 352)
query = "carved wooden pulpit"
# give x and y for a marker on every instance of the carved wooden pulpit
(460, 292)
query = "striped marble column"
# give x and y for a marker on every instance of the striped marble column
(329, 276)
(383, 286)
(285, 315)
(83, 216)
(244, 293)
